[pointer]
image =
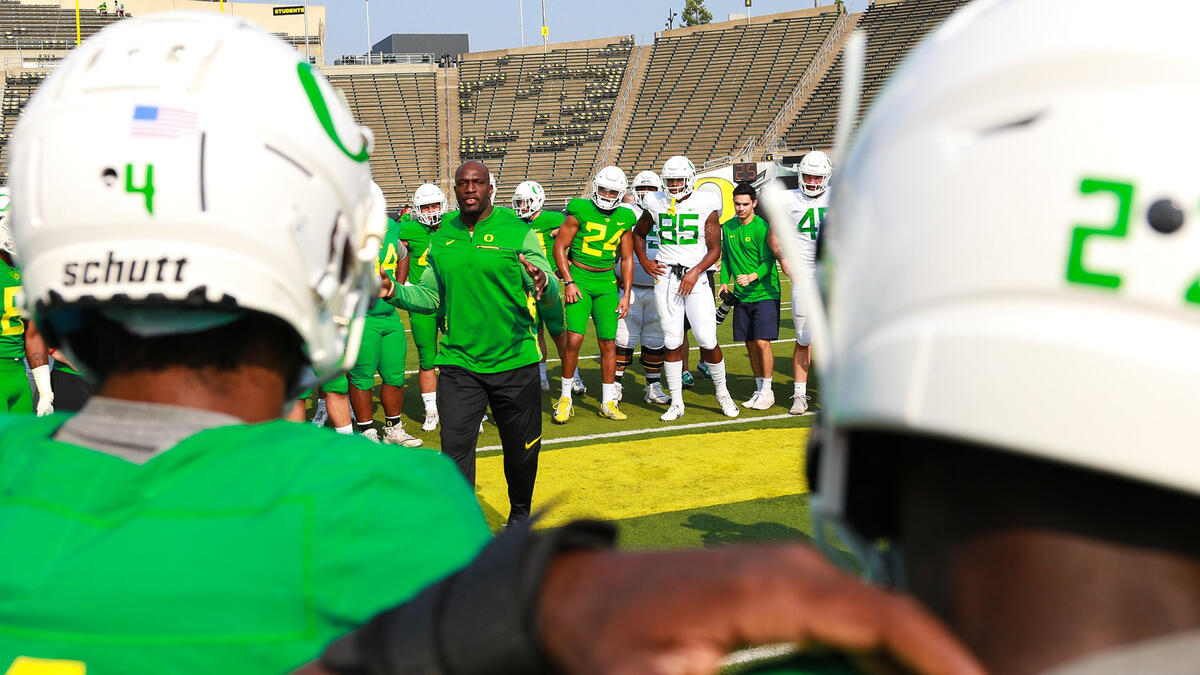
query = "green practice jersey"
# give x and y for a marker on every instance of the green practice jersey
(477, 280)
(599, 234)
(416, 235)
(12, 327)
(242, 549)
(389, 258)
(745, 249)
(543, 226)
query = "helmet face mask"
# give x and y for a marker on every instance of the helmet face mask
(645, 183)
(814, 171)
(268, 209)
(528, 199)
(678, 177)
(429, 205)
(608, 187)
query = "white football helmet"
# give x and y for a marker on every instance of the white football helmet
(816, 164)
(492, 183)
(6, 240)
(191, 197)
(609, 178)
(424, 196)
(679, 167)
(1073, 343)
(528, 199)
(643, 183)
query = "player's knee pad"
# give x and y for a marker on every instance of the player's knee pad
(624, 357)
(652, 359)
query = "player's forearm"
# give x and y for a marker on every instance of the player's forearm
(35, 346)
(532, 250)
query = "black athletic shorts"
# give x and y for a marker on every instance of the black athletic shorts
(756, 320)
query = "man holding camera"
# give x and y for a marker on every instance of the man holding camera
(750, 285)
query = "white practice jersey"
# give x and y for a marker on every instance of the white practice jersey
(681, 231)
(640, 277)
(808, 213)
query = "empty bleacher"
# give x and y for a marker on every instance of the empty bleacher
(18, 89)
(401, 108)
(707, 92)
(46, 26)
(539, 115)
(893, 29)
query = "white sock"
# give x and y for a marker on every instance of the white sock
(674, 372)
(758, 384)
(800, 388)
(608, 391)
(430, 400)
(765, 385)
(717, 370)
(567, 383)
(347, 430)
(542, 370)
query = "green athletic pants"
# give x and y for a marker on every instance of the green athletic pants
(425, 336)
(384, 348)
(15, 396)
(600, 297)
(552, 317)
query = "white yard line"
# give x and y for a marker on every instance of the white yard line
(596, 356)
(653, 430)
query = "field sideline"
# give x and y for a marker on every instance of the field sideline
(703, 480)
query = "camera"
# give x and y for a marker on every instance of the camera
(728, 302)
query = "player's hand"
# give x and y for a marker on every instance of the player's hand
(571, 293)
(45, 404)
(536, 274)
(654, 269)
(623, 306)
(681, 612)
(688, 282)
(746, 279)
(386, 287)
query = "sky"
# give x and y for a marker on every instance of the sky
(494, 24)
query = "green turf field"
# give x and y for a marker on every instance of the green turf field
(700, 481)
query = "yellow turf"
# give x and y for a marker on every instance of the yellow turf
(636, 478)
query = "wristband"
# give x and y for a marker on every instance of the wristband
(569, 283)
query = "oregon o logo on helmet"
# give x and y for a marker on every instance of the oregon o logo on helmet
(317, 99)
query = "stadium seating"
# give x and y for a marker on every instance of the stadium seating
(402, 109)
(706, 93)
(17, 91)
(46, 26)
(893, 29)
(552, 107)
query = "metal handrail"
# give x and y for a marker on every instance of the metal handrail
(771, 136)
(618, 113)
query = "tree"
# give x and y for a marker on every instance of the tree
(694, 13)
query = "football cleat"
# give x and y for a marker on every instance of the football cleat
(578, 387)
(704, 371)
(563, 409)
(655, 394)
(728, 407)
(688, 380)
(398, 436)
(751, 401)
(371, 435)
(431, 421)
(609, 409)
(763, 401)
(799, 404)
(673, 413)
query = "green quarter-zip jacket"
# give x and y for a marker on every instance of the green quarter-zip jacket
(481, 286)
